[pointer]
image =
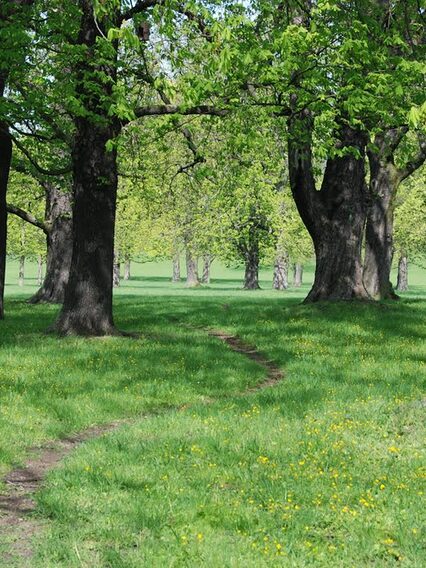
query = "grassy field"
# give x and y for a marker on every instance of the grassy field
(325, 469)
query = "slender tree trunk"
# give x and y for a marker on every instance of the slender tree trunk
(251, 276)
(280, 281)
(5, 161)
(402, 283)
(87, 308)
(21, 273)
(298, 275)
(335, 216)
(176, 268)
(127, 273)
(207, 262)
(39, 270)
(384, 181)
(116, 272)
(191, 270)
(59, 246)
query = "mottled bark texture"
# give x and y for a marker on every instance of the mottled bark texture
(176, 268)
(127, 269)
(298, 275)
(191, 269)
(385, 179)
(334, 216)
(116, 270)
(402, 283)
(207, 262)
(87, 308)
(59, 245)
(280, 280)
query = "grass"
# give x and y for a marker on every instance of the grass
(324, 469)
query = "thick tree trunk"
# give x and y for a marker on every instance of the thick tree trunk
(116, 270)
(207, 262)
(127, 272)
(384, 182)
(298, 275)
(59, 246)
(335, 216)
(39, 270)
(87, 308)
(280, 281)
(402, 283)
(191, 270)
(176, 268)
(251, 276)
(21, 272)
(5, 161)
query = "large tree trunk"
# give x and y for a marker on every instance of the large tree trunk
(402, 283)
(127, 266)
(280, 280)
(335, 216)
(384, 181)
(59, 246)
(191, 270)
(87, 308)
(176, 268)
(251, 276)
(207, 262)
(298, 275)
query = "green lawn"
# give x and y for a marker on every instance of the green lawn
(326, 469)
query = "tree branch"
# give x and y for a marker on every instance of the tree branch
(33, 162)
(418, 160)
(157, 110)
(28, 217)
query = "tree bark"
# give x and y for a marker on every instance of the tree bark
(39, 270)
(191, 270)
(59, 246)
(335, 216)
(298, 275)
(127, 272)
(207, 262)
(402, 283)
(176, 268)
(87, 308)
(251, 276)
(280, 281)
(21, 273)
(116, 270)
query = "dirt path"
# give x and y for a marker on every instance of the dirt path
(17, 525)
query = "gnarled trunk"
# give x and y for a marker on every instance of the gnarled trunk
(384, 182)
(298, 275)
(59, 246)
(207, 262)
(402, 283)
(280, 280)
(335, 216)
(191, 270)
